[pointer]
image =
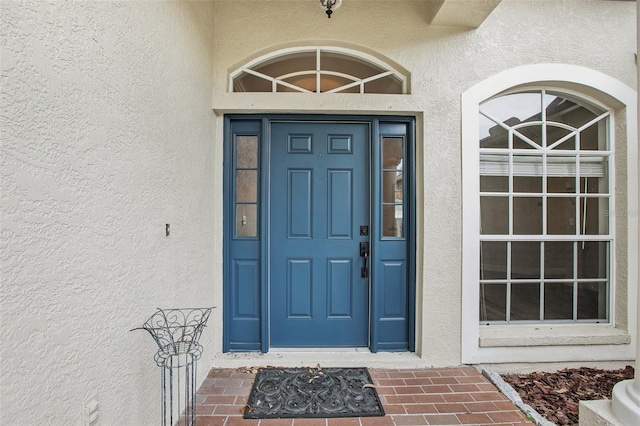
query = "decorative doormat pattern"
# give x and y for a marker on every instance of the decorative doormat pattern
(312, 392)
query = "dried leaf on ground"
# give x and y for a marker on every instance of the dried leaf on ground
(249, 370)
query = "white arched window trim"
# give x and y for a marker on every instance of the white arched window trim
(609, 94)
(388, 70)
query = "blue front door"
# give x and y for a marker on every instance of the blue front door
(319, 214)
(300, 192)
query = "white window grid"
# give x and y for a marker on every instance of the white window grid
(584, 164)
(386, 70)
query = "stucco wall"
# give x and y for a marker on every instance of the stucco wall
(443, 63)
(107, 135)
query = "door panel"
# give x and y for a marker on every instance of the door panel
(340, 206)
(299, 201)
(299, 290)
(340, 296)
(319, 198)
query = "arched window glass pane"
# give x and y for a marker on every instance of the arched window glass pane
(289, 64)
(559, 109)
(250, 83)
(360, 69)
(514, 109)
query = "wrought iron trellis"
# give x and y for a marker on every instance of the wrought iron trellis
(177, 331)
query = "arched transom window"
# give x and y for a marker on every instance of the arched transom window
(318, 70)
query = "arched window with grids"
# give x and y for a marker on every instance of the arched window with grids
(545, 196)
(549, 211)
(319, 69)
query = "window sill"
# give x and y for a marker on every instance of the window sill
(552, 335)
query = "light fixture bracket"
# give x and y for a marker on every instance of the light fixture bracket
(329, 6)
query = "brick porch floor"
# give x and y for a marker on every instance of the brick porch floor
(448, 396)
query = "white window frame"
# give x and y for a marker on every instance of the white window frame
(319, 71)
(530, 343)
(546, 162)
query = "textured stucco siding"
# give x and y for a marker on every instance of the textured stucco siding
(107, 135)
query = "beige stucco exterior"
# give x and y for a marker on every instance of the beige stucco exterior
(107, 135)
(112, 127)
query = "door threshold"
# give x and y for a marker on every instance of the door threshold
(297, 358)
(362, 349)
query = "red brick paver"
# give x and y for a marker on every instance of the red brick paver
(430, 396)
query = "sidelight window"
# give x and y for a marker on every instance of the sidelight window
(545, 195)
(246, 185)
(392, 186)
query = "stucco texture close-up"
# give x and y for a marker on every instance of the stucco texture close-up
(107, 136)
(112, 124)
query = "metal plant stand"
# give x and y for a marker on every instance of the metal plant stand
(176, 331)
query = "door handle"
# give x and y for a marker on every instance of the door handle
(364, 253)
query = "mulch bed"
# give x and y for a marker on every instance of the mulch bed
(555, 396)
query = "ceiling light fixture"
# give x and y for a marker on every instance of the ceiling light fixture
(329, 6)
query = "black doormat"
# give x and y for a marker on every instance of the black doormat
(312, 392)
